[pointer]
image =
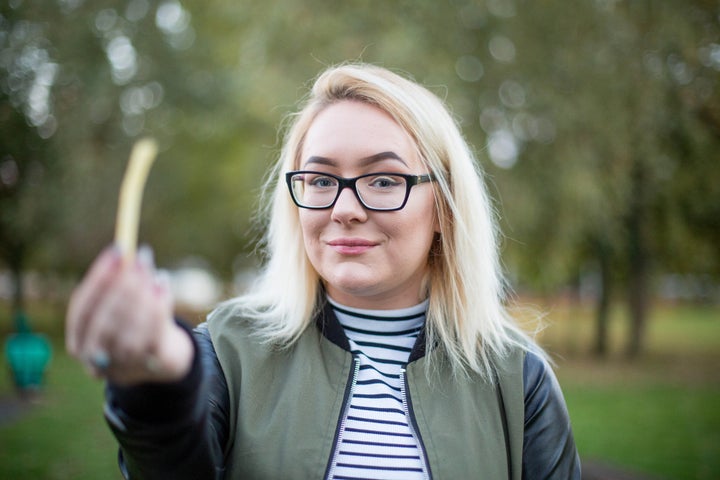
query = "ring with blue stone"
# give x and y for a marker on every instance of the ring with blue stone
(100, 360)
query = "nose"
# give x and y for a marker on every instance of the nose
(348, 208)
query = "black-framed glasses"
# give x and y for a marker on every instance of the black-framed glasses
(384, 192)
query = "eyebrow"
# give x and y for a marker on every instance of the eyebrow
(365, 161)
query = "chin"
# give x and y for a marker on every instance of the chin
(355, 288)
(352, 286)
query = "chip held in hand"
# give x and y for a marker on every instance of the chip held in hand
(128, 214)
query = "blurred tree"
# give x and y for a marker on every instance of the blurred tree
(27, 72)
(76, 91)
(596, 119)
(598, 129)
(121, 69)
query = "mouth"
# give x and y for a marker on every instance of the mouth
(351, 246)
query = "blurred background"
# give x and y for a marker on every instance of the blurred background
(597, 122)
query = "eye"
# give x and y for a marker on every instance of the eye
(320, 181)
(384, 182)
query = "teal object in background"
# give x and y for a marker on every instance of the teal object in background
(28, 355)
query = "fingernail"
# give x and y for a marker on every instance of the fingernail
(113, 253)
(162, 281)
(146, 257)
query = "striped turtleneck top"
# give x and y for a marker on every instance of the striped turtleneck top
(375, 438)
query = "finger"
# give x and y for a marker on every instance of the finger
(162, 291)
(137, 355)
(151, 322)
(122, 322)
(96, 338)
(146, 258)
(86, 294)
(115, 308)
(134, 340)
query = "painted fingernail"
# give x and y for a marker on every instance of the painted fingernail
(114, 253)
(146, 257)
(162, 281)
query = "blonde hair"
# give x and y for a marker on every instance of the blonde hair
(466, 313)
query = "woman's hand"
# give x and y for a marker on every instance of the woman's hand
(120, 323)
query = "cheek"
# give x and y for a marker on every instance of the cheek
(310, 224)
(424, 218)
(420, 231)
(413, 235)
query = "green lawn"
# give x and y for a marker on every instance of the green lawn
(659, 414)
(63, 434)
(671, 432)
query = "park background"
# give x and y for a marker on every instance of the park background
(596, 121)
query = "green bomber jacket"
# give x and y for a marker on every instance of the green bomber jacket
(248, 410)
(285, 405)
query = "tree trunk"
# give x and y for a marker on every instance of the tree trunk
(637, 304)
(16, 273)
(602, 312)
(637, 262)
(18, 299)
(13, 255)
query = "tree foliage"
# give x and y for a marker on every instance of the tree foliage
(598, 123)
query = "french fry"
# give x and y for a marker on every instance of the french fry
(128, 214)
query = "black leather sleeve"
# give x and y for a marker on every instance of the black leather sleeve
(548, 446)
(173, 431)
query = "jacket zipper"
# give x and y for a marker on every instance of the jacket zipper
(349, 389)
(412, 423)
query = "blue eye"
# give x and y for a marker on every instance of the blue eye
(385, 182)
(322, 182)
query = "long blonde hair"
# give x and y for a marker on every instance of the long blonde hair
(466, 313)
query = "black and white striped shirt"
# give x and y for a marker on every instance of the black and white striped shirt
(375, 438)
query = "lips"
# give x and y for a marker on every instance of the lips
(351, 246)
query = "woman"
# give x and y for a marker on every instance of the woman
(375, 343)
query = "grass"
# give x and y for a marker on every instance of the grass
(657, 415)
(62, 435)
(660, 430)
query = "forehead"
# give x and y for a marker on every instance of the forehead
(349, 130)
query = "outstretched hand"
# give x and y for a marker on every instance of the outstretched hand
(120, 322)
